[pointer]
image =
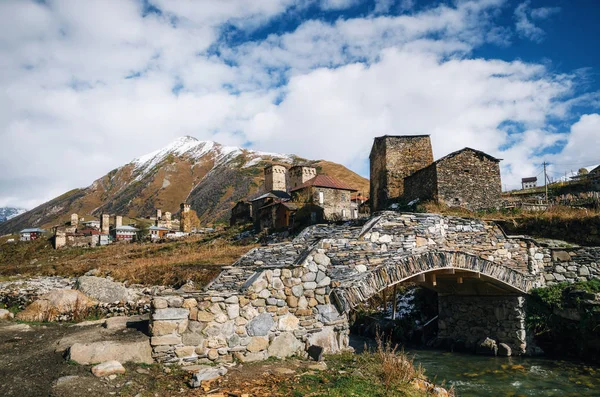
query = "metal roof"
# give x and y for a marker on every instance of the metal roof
(33, 230)
(153, 227)
(127, 228)
(275, 194)
(325, 181)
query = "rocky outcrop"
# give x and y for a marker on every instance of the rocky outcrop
(57, 305)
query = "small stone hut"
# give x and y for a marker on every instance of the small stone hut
(466, 178)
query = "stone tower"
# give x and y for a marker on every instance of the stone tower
(275, 176)
(74, 220)
(105, 223)
(158, 214)
(118, 221)
(393, 158)
(185, 221)
(300, 174)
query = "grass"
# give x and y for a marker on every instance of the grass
(196, 258)
(384, 371)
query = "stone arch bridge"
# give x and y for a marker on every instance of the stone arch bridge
(281, 299)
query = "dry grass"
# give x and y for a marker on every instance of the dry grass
(555, 213)
(393, 367)
(173, 263)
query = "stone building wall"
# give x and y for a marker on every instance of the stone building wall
(335, 202)
(300, 174)
(469, 179)
(471, 319)
(241, 213)
(392, 159)
(275, 178)
(421, 185)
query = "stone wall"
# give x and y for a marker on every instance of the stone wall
(471, 319)
(469, 179)
(575, 264)
(275, 178)
(336, 202)
(241, 213)
(278, 312)
(392, 159)
(421, 185)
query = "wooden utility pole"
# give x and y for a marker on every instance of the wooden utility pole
(546, 182)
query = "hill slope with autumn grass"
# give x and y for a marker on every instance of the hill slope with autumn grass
(209, 176)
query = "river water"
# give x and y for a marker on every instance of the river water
(473, 375)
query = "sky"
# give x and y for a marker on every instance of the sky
(86, 86)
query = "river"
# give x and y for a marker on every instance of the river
(473, 375)
(483, 376)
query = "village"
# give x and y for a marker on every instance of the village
(403, 171)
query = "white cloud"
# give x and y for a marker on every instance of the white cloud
(337, 4)
(524, 24)
(68, 114)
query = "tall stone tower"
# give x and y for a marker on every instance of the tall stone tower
(275, 177)
(74, 220)
(105, 223)
(158, 214)
(393, 158)
(185, 221)
(300, 174)
(118, 221)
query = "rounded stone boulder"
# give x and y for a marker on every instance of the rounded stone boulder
(260, 325)
(55, 303)
(104, 290)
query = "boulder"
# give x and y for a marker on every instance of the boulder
(55, 303)
(207, 374)
(108, 368)
(98, 352)
(104, 290)
(5, 314)
(487, 347)
(285, 345)
(260, 325)
(326, 339)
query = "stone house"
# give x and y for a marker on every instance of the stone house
(466, 178)
(93, 224)
(529, 183)
(263, 216)
(328, 193)
(241, 213)
(278, 215)
(392, 159)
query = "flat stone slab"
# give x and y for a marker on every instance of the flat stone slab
(171, 314)
(99, 352)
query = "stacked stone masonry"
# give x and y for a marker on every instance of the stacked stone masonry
(280, 299)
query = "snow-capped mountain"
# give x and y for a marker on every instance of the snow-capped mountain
(7, 213)
(209, 176)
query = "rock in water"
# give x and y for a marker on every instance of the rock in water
(104, 290)
(55, 303)
(108, 368)
(487, 347)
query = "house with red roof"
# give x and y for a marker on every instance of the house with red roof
(328, 193)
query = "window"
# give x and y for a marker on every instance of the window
(355, 213)
(343, 213)
(321, 198)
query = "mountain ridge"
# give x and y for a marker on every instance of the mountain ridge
(209, 176)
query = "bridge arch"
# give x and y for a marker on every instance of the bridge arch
(350, 293)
